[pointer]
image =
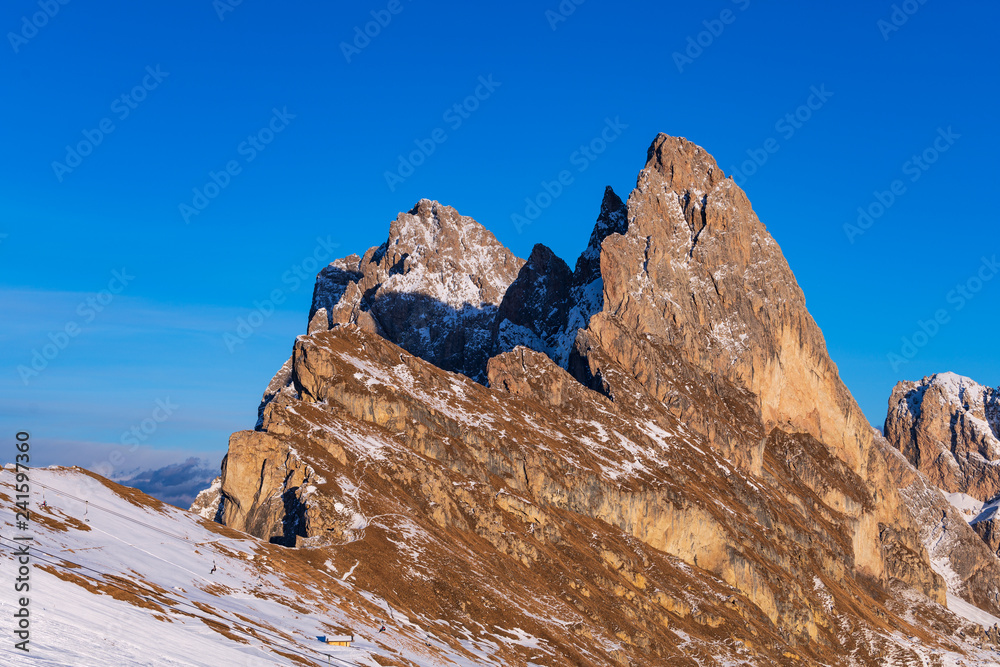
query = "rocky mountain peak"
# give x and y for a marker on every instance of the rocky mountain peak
(683, 164)
(697, 269)
(432, 288)
(548, 304)
(719, 434)
(613, 219)
(948, 427)
(436, 251)
(535, 309)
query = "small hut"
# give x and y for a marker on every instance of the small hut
(342, 640)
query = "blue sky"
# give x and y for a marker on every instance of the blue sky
(262, 106)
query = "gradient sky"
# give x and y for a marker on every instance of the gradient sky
(210, 75)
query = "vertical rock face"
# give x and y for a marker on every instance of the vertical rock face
(986, 524)
(612, 220)
(948, 427)
(432, 288)
(699, 270)
(535, 309)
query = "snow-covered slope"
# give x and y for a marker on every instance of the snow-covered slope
(119, 578)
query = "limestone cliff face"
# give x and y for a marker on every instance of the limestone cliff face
(987, 526)
(656, 449)
(620, 508)
(948, 427)
(697, 271)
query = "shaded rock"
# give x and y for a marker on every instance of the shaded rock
(281, 382)
(535, 308)
(547, 305)
(987, 527)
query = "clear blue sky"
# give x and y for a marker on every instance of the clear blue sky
(205, 85)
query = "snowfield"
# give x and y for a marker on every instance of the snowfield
(119, 579)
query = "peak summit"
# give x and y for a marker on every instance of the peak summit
(948, 427)
(683, 162)
(432, 288)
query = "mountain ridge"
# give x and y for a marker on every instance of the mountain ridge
(672, 393)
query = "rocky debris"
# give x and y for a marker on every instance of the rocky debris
(432, 288)
(969, 568)
(948, 427)
(664, 419)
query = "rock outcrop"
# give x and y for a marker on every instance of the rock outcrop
(432, 288)
(967, 564)
(697, 271)
(654, 448)
(207, 504)
(948, 427)
(547, 305)
(535, 310)
(987, 525)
